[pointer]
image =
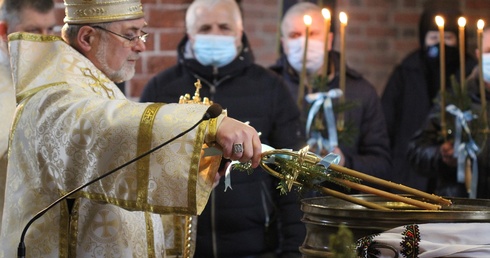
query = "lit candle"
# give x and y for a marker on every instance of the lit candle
(327, 18)
(442, 61)
(462, 74)
(343, 24)
(480, 24)
(302, 77)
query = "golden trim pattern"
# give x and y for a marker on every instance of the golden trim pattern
(64, 229)
(187, 237)
(213, 129)
(73, 228)
(31, 93)
(194, 168)
(150, 241)
(143, 168)
(85, 12)
(144, 145)
(32, 37)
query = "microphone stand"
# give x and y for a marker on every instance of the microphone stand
(212, 112)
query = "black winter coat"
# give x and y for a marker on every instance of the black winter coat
(369, 151)
(243, 221)
(424, 154)
(407, 100)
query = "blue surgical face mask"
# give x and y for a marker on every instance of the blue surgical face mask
(486, 67)
(314, 54)
(215, 50)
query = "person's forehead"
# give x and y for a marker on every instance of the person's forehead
(296, 21)
(31, 17)
(218, 14)
(29, 14)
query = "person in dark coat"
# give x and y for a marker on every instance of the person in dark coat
(412, 87)
(432, 155)
(366, 148)
(252, 219)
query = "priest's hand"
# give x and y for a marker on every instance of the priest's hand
(239, 141)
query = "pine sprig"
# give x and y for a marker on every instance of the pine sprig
(459, 97)
(342, 244)
(346, 135)
(309, 175)
(244, 167)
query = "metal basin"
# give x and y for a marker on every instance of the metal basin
(323, 215)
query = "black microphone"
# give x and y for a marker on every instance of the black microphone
(212, 112)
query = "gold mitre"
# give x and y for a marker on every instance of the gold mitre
(95, 11)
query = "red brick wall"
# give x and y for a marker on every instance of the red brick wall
(379, 33)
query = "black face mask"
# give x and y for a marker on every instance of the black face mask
(451, 55)
(433, 66)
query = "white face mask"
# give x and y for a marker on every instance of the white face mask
(486, 67)
(314, 55)
(215, 50)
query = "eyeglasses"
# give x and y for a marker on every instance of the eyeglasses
(132, 41)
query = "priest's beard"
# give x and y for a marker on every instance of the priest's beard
(124, 74)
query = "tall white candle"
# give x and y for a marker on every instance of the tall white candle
(462, 61)
(343, 23)
(327, 18)
(302, 77)
(442, 65)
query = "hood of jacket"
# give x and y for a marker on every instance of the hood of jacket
(243, 60)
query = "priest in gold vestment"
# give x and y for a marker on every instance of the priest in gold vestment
(73, 125)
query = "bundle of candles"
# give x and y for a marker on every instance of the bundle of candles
(342, 70)
(462, 23)
(440, 23)
(306, 169)
(468, 174)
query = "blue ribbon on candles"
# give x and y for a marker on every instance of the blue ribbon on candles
(317, 101)
(464, 149)
(331, 158)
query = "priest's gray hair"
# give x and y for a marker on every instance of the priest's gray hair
(190, 17)
(69, 32)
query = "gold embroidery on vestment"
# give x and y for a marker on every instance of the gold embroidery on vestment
(150, 241)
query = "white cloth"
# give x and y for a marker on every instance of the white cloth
(72, 125)
(7, 109)
(437, 240)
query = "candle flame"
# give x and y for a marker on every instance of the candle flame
(439, 21)
(480, 24)
(307, 20)
(343, 18)
(326, 14)
(461, 22)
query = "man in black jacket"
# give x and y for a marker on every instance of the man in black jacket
(252, 219)
(433, 156)
(363, 145)
(412, 87)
